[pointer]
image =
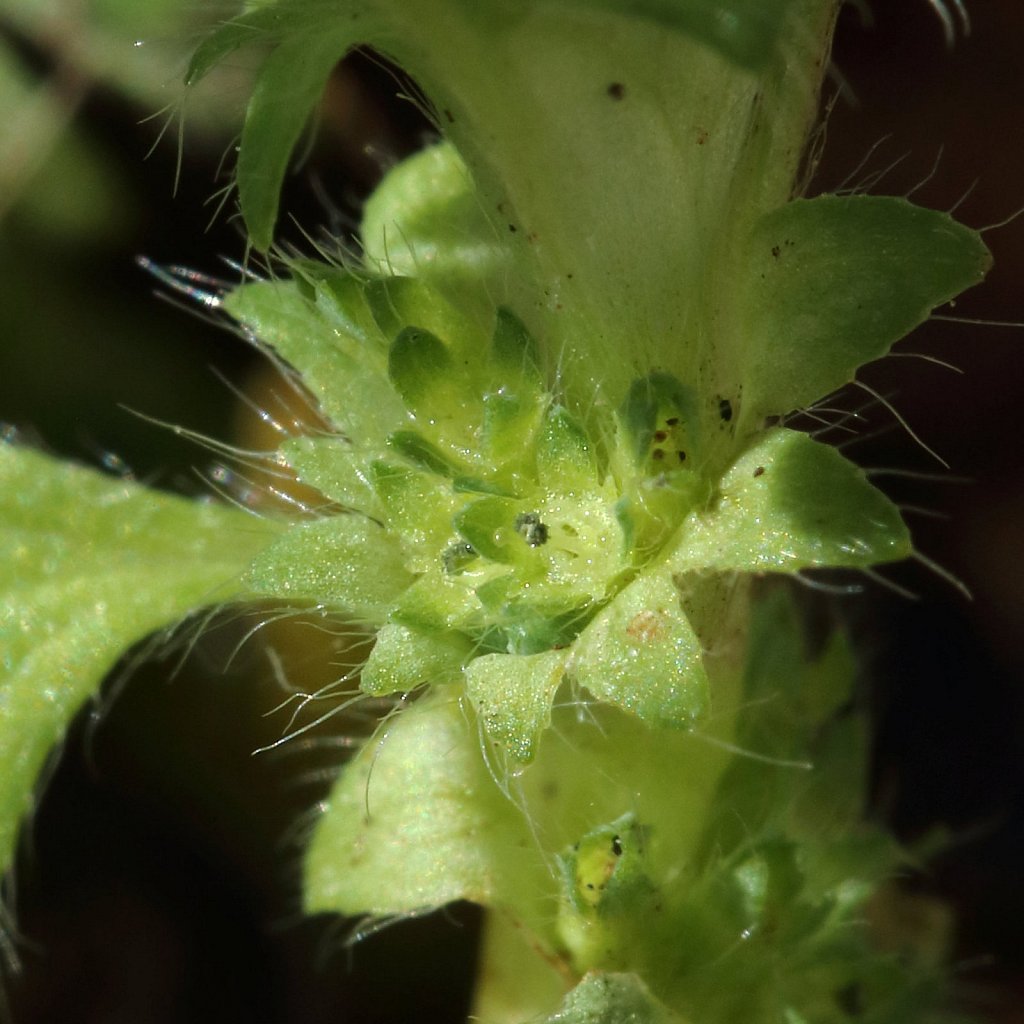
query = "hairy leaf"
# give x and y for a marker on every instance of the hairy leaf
(89, 565)
(345, 562)
(416, 821)
(790, 503)
(830, 283)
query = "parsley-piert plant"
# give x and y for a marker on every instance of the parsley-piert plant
(556, 375)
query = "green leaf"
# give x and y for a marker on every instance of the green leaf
(831, 283)
(489, 525)
(745, 32)
(416, 821)
(287, 90)
(331, 466)
(609, 998)
(422, 454)
(566, 460)
(400, 303)
(658, 405)
(419, 506)
(424, 220)
(264, 24)
(513, 695)
(423, 372)
(345, 562)
(436, 602)
(790, 503)
(344, 373)
(403, 659)
(642, 654)
(515, 357)
(89, 565)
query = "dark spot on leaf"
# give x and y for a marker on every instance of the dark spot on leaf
(725, 409)
(682, 456)
(658, 454)
(448, 115)
(776, 251)
(617, 846)
(759, 471)
(672, 422)
(531, 529)
(660, 435)
(616, 90)
(512, 228)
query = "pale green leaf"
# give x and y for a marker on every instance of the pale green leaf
(642, 654)
(513, 695)
(609, 998)
(403, 659)
(346, 562)
(89, 565)
(425, 220)
(346, 372)
(416, 821)
(790, 503)
(287, 90)
(830, 283)
(331, 466)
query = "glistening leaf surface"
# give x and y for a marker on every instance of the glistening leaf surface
(831, 283)
(790, 503)
(89, 565)
(612, 998)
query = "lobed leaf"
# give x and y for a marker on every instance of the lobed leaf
(830, 283)
(641, 654)
(513, 695)
(90, 565)
(346, 562)
(415, 821)
(790, 503)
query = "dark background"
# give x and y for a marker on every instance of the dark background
(159, 876)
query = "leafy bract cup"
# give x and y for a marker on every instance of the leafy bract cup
(503, 535)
